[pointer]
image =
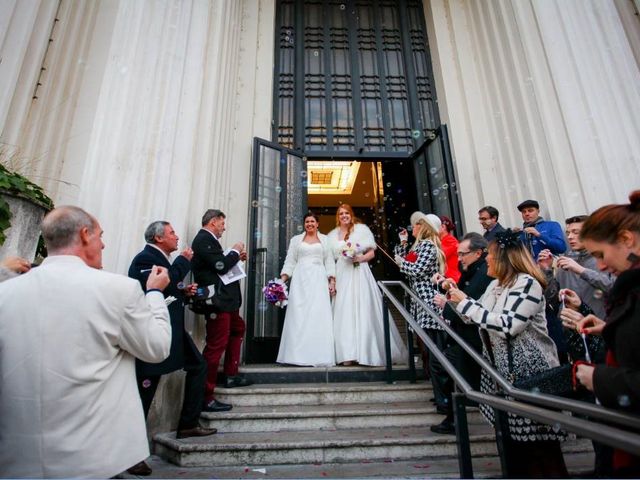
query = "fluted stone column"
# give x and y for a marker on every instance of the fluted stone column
(541, 99)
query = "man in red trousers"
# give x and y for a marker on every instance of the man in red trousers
(225, 327)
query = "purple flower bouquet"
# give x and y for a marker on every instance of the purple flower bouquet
(276, 293)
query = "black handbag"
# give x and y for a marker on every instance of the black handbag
(553, 381)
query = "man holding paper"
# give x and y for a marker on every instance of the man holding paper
(225, 328)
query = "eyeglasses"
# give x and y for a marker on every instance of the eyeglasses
(462, 254)
(484, 219)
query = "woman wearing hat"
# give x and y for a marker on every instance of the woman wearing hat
(511, 319)
(419, 263)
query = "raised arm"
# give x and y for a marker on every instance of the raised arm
(524, 300)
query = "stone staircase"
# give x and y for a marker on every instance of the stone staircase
(371, 423)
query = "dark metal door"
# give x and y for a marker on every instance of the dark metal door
(278, 204)
(436, 185)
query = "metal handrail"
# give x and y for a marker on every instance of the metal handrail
(522, 399)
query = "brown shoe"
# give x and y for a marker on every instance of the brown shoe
(195, 432)
(141, 469)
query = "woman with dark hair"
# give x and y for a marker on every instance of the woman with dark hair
(307, 336)
(357, 311)
(511, 318)
(612, 235)
(450, 248)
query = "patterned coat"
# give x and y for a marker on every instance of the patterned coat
(419, 265)
(515, 313)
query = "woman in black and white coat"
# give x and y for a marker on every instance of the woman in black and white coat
(420, 263)
(512, 312)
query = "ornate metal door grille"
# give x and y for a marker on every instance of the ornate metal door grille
(352, 77)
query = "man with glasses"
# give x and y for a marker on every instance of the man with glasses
(474, 280)
(488, 217)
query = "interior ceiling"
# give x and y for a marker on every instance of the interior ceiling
(361, 190)
(331, 178)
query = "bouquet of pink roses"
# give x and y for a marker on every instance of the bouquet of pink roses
(350, 251)
(276, 292)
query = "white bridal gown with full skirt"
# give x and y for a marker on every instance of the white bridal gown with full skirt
(357, 310)
(307, 336)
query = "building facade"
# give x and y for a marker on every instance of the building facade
(148, 109)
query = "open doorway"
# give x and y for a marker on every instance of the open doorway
(382, 194)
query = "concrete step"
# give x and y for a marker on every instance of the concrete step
(327, 417)
(324, 394)
(579, 465)
(328, 446)
(270, 373)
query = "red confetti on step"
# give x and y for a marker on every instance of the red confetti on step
(246, 470)
(421, 466)
(388, 461)
(324, 474)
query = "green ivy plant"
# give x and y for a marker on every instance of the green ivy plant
(15, 184)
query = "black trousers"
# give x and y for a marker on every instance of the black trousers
(196, 369)
(464, 364)
(438, 374)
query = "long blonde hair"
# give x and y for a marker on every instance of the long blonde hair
(427, 232)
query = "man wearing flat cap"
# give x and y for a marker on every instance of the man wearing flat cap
(538, 233)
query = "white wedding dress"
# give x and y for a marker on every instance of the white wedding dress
(307, 336)
(357, 309)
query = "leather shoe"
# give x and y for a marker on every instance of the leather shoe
(233, 381)
(195, 432)
(141, 469)
(446, 427)
(216, 406)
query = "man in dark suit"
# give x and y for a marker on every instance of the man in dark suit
(161, 242)
(474, 280)
(225, 327)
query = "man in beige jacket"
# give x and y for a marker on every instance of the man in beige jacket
(69, 332)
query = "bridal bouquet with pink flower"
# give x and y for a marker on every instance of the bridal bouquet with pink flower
(350, 251)
(276, 292)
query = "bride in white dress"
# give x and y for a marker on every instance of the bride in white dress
(357, 311)
(307, 336)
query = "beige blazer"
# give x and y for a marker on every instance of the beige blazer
(69, 405)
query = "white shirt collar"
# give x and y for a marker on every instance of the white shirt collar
(161, 251)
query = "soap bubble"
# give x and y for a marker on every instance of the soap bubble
(436, 192)
(388, 184)
(316, 53)
(597, 294)
(433, 170)
(303, 174)
(254, 203)
(299, 228)
(624, 401)
(276, 223)
(278, 189)
(219, 265)
(445, 186)
(415, 133)
(343, 6)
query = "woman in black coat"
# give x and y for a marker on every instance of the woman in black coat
(612, 236)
